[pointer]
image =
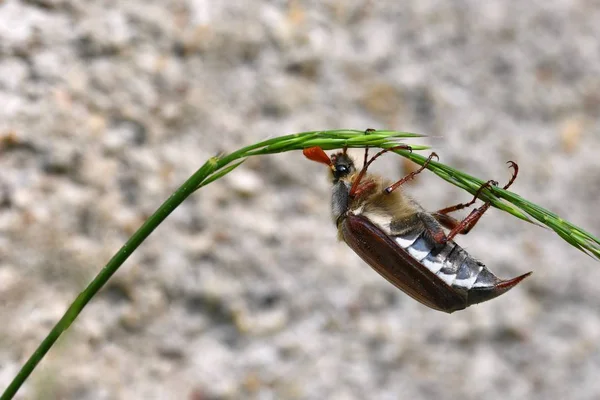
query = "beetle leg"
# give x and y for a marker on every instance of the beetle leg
(367, 131)
(460, 206)
(363, 171)
(433, 229)
(515, 167)
(410, 176)
(488, 185)
(468, 223)
(451, 223)
(464, 226)
(363, 189)
(446, 220)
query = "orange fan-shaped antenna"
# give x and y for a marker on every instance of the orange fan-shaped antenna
(317, 154)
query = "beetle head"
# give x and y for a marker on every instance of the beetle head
(340, 164)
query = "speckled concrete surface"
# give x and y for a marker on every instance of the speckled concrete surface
(106, 107)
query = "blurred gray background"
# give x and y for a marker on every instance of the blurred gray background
(244, 292)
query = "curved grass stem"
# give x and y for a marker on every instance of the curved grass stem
(217, 167)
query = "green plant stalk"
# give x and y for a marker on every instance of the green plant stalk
(213, 169)
(217, 167)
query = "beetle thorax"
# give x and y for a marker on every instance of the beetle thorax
(339, 199)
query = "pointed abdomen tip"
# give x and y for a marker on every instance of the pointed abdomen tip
(510, 283)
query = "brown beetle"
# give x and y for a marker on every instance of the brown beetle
(405, 244)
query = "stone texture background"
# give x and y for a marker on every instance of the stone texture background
(107, 106)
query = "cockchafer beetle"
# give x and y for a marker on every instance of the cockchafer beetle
(405, 244)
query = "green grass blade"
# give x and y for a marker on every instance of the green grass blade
(212, 170)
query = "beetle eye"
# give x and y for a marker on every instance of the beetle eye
(341, 170)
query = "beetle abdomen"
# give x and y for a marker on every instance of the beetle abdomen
(453, 265)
